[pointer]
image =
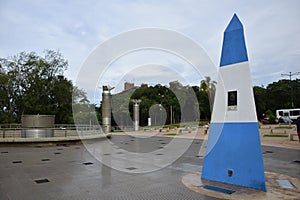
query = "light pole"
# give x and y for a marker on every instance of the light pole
(290, 75)
(160, 105)
(160, 111)
(171, 114)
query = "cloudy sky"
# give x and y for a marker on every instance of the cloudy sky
(77, 28)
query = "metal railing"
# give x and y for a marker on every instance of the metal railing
(60, 130)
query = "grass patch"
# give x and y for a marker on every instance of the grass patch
(117, 130)
(203, 123)
(186, 124)
(284, 127)
(275, 135)
(171, 126)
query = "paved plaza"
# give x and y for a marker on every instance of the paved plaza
(69, 171)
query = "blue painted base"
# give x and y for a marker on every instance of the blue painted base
(234, 155)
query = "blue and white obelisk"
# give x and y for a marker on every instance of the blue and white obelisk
(233, 153)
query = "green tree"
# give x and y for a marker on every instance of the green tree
(276, 95)
(206, 97)
(33, 84)
(270, 115)
(84, 112)
(209, 86)
(177, 101)
(5, 114)
(261, 100)
(61, 101)
(279, 94)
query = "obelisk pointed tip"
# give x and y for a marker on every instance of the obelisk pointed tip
(234, 47)
(234, 24)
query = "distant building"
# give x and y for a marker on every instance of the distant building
(128, 86)
(144, 85)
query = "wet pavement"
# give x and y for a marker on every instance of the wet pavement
(69, 171)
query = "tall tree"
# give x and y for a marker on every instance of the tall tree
(209, 86)
(276, 95)
(33, 84)
(5, 114)
(261, 100)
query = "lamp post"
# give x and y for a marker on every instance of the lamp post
(290, 75)
(160, 113)
(160, 106)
